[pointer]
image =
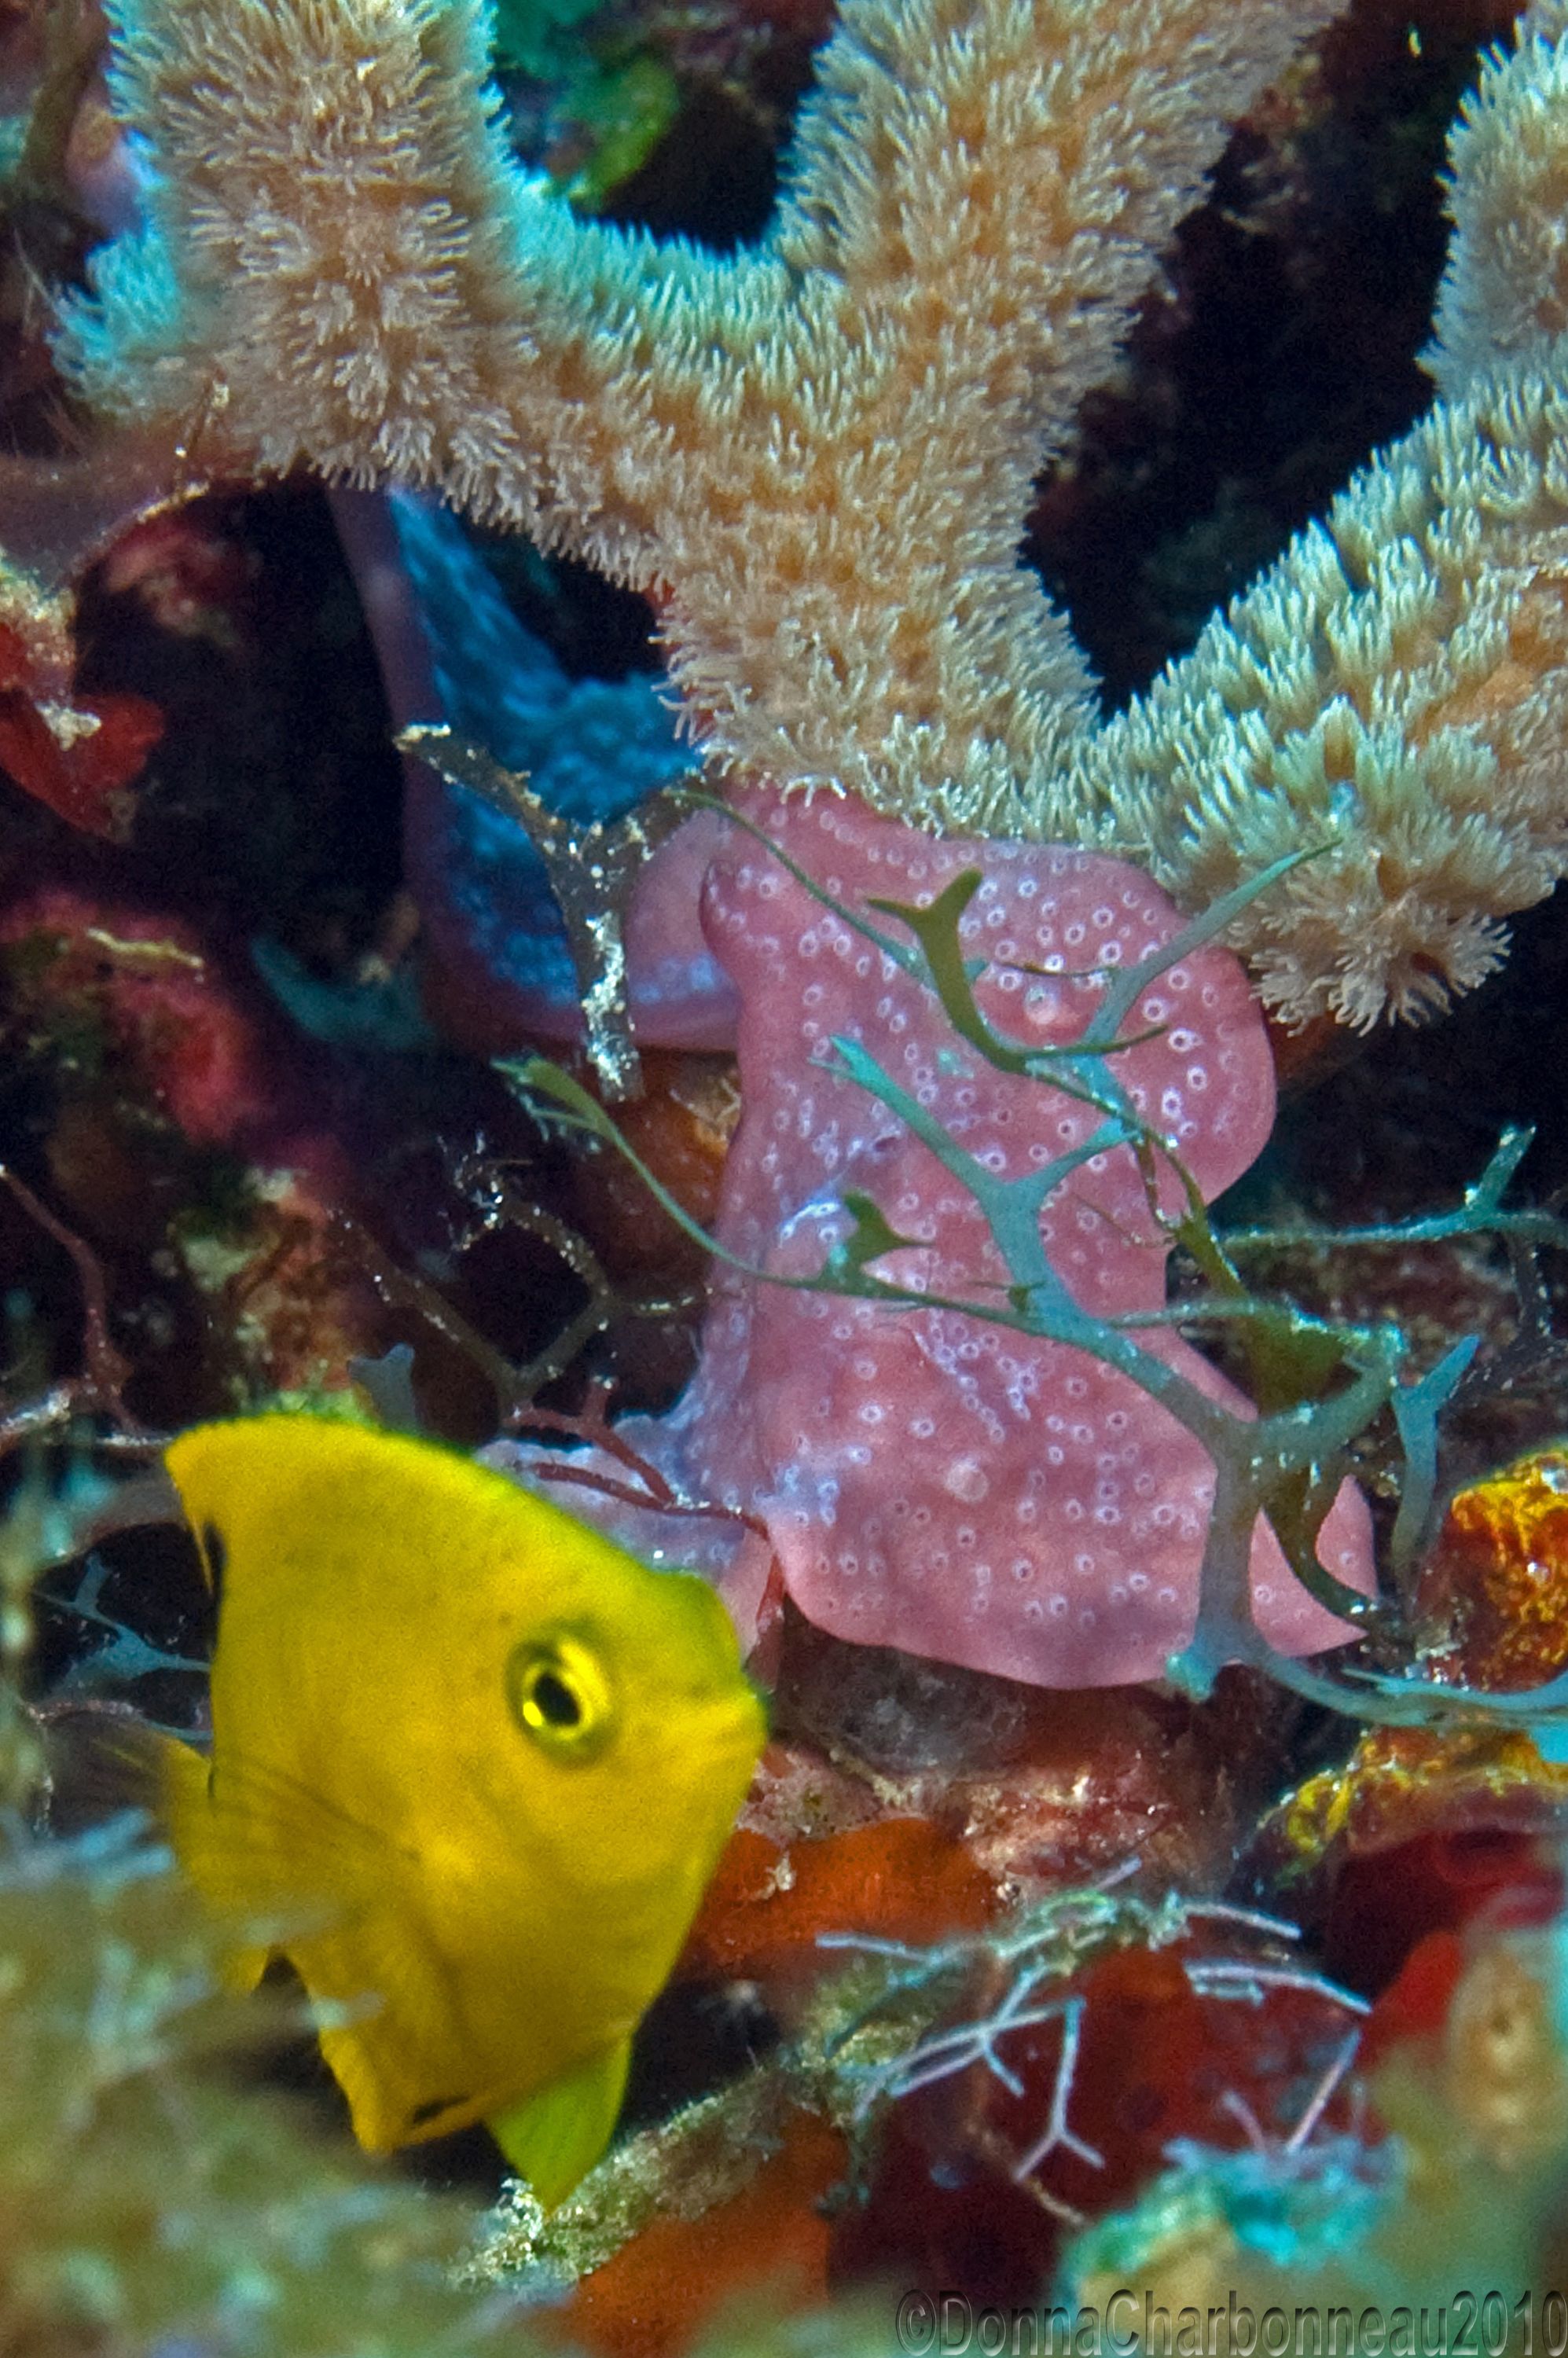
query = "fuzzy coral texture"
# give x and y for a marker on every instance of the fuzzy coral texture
(145, 2205)
(817, 454)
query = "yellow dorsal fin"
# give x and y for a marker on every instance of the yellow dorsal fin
(554, 2137)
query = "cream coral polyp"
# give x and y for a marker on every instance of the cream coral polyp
(817, 456)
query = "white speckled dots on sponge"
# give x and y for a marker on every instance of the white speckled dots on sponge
(931, 1481)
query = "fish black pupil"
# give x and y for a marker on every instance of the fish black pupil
(555, 1701)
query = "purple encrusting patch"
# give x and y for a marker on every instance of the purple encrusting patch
(930, 1481)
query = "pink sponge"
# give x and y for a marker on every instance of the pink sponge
(930, 1481)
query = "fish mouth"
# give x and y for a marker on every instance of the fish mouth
(729, 1734)
(743, 1723)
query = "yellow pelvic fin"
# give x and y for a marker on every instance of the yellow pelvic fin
(554, 2137)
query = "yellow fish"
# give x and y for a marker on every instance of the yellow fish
(473, 1763)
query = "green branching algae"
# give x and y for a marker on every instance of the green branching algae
(1321, 1388)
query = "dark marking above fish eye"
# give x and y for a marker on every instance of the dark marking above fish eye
(558, 1704)
(216, 1554)
(422, 2114)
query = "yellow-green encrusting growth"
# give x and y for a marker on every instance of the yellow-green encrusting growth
(472, 1768)
(154, 2199)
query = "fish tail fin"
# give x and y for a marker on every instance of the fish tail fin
(554, 2137)
(102, 1760)
(184, 1804)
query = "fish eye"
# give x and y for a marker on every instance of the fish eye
(560, 1696)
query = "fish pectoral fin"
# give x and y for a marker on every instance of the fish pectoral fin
(554, 2137)
(182, 1780)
